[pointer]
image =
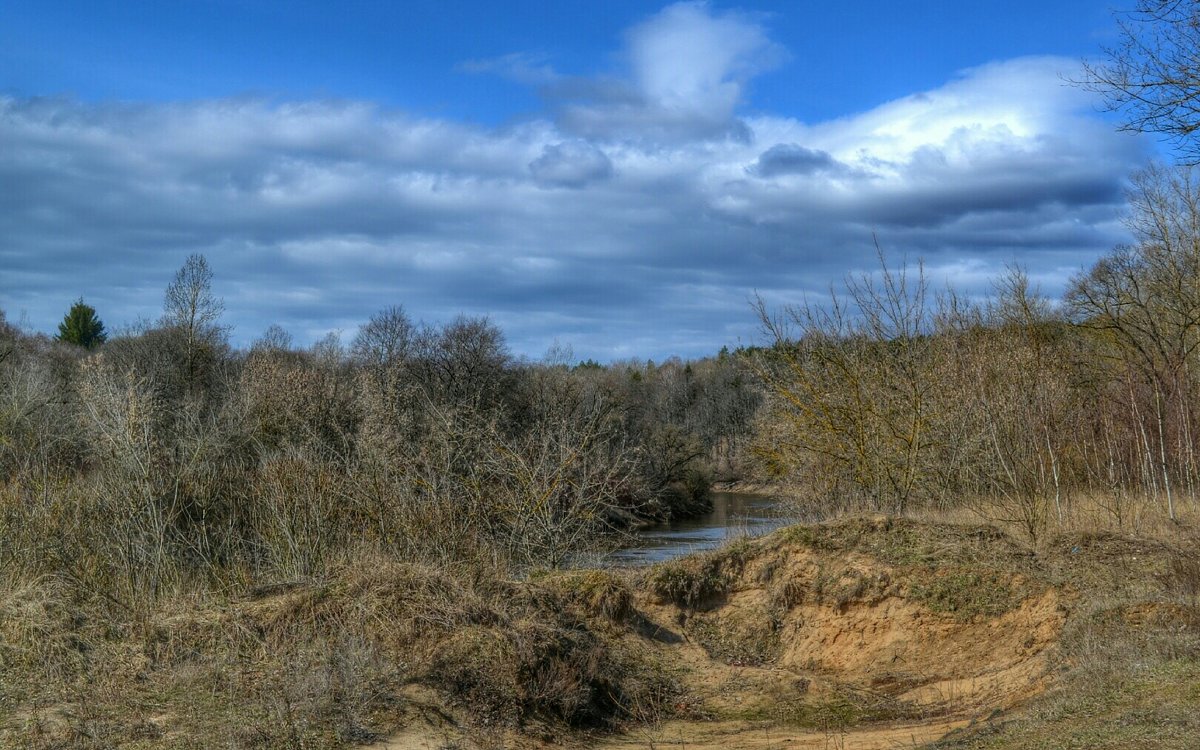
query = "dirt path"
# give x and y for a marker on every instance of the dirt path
(731, 735)
(697, 735)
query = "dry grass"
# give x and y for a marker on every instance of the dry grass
(322, 666)
(1129, 668)
(1132, 514)
(380, 644)
(698, 580)
(604, 594)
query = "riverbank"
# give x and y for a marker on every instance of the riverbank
(783, 491)
(731, 515)
(858, 631)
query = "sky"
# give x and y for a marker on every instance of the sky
(619, 177)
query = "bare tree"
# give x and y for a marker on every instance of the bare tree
(464, 362)
(1142, 303)
(855, 387)
(385, 340)
(1153, 74)
(561, 487)
(1020, 407)
(190, 307)
(274, 339)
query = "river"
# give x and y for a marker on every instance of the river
(734, 514)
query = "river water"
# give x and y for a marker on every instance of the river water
(734, 514)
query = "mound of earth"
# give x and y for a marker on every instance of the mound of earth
(862, 633)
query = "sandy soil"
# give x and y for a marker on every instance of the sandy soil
(730, 735)
(912, 674)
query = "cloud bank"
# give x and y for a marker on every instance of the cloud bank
(634, 217)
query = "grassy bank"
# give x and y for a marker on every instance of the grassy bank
(843, 629)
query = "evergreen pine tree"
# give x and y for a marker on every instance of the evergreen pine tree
(81, 327)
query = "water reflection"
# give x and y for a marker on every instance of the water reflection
(734, 514)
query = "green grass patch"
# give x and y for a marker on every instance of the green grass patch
(842, 709)
(966, 594)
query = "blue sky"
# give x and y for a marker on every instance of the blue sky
(617, 176)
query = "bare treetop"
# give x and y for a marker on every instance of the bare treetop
(189, 303)
(1153, 74)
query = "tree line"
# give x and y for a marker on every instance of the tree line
(140, 463)
(889, 397)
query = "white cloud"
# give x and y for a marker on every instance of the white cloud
(688, 71)
(688, 60)
(317, 214)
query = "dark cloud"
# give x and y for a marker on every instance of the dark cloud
(570, 164)
(314, 215)
(789, 159)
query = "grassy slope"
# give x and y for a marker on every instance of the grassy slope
(1129, 675)
(383, 645)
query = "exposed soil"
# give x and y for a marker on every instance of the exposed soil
(841, 639)
(729, 735)
(858, 633)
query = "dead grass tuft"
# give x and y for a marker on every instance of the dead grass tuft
(40, 630)
(597, 593)
(699, 580)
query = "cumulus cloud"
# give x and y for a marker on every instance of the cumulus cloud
(316, 214)
(688, 70)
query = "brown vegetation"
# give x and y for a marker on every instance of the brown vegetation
(815, 630)
(284, 548)
(888, 399)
